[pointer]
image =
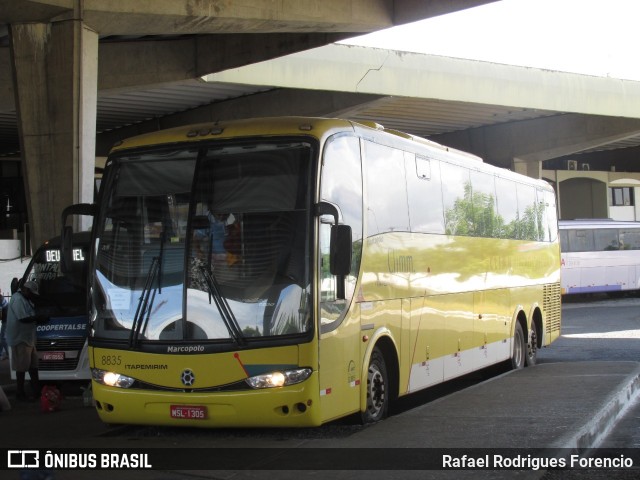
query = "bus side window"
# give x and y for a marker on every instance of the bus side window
(486, 221)
(424, 192)
(527, 212)
(507, 199)
(456, 199)
(607, 239)
(386, 190)
(564, 241)
(550, 216)
(630, 238)
(341, 184)
(581, 240)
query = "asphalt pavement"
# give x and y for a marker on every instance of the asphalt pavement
(561, 407)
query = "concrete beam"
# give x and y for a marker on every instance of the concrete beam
(403, 74)
(7, 101)
(244, 32)
(162, 17)
(38, 11)
(125, 65)
(132, 64)
(541, 139)
(266, 104)
(406, 11)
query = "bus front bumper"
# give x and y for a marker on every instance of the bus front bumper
(290, 406)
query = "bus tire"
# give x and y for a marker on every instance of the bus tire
(532, 346)
(519, 348)
(377, 389)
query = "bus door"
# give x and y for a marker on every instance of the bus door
(340, 362)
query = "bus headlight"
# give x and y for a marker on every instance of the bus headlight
(279, 379)
(111, 379)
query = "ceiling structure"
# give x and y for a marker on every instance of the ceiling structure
(422, 117)
(123, 106)
(266, 29)
(59, 58)
(425, 95)
(426, 117)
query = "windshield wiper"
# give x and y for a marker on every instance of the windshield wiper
(143, 311)
(226, 313)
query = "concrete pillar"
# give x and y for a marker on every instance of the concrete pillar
(55, 81)
(531, 169)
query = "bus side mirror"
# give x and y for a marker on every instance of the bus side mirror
(340, 257)
(66, 249)
(340, 250)
(339, 247)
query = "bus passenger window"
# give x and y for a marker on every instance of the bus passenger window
(630, 238)
(581, 240)
(549, 216)
(507, 208)
(528, 212)
(486, 222)
(456, 196)
(607, 239)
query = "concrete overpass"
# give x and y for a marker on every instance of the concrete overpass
(188, 61)
(514, 117)
(55, 49)
(545, 114)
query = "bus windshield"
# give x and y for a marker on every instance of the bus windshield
(205, 244)
(60, 294)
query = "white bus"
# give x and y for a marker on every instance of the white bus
(599, 256)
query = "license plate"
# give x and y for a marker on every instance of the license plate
(52, 356)
(189, 412)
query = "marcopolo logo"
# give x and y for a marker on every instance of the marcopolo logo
(185, 349)
(23, 459)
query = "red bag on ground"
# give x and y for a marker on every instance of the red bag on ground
(50, 399)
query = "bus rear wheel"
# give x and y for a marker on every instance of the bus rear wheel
(532, 346)
(519, 348)
(377, 389)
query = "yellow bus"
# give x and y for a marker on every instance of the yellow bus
(292, 271)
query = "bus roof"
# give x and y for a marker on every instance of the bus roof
(319, 128)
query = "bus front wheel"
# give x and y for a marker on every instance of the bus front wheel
(519, 348)
(377, 389)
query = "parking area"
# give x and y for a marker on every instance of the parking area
(544, 407)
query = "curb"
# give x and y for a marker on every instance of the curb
(613, 408)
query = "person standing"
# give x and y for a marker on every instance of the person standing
(4, 348)
(21, 337)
